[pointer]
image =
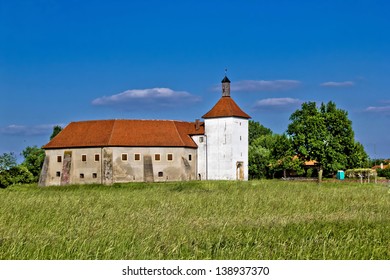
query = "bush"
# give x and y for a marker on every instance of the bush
(384, 173)
(15, 175)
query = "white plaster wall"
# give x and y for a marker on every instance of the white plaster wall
(227, 144)
(202, 156)
(240, 144)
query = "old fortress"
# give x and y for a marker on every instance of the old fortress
(116, 151)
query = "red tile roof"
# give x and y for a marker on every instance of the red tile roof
(126, 133)
(226, 107)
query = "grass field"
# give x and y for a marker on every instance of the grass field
(196, 220)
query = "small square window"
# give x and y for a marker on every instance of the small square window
(160, 174)
(97, 157)
(58, 174)
(189, 157)
(170, 157)
(94, 175)
(59, 158)
(137, 156)
(124, 157)
(157, 157)
(201, 139)
(81, 175)
(83, 157)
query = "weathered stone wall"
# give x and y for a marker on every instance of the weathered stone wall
(66, 168)
(107, 166)
(148, 168)
(43, 178)
(88, 171)
(70, 169)
(119, 164)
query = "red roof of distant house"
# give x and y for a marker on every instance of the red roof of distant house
(381, 166)
(226, 107)
(307, 163)
(126, 133)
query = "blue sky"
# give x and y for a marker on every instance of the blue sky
(63, 61)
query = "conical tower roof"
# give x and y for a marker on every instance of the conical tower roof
(226, 107)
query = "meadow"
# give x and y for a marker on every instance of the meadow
(268, 219)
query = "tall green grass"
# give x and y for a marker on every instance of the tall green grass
(196, 220)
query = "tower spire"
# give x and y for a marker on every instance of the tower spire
(225, 85)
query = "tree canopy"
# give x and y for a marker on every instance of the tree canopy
(7, 161)
(56, 129)
(325, 135)
(33, 160)
(256, 130)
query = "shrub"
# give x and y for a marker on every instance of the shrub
(16, 175)
(384, 173)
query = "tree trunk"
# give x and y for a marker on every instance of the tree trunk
(320, 171)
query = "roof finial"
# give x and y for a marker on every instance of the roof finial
(225, 70)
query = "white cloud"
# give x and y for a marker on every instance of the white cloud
(338, 84)
(152, 97)
(262, 85)
(23, 130)
(378, 109)
(277, 102)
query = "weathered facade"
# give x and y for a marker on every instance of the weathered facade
(115, 151)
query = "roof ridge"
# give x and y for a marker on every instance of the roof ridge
(112, 131)
(177, 131)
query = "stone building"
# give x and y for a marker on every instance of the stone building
(114, 151)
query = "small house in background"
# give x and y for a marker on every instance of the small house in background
(117, 151)
(382, 166)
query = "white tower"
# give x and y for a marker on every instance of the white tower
(226, 131)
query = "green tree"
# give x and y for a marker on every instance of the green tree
(384, 172)
(359, 157)
(256, 130)
(283, 157)
(7, 161)
(56, 129)
(325, 135)
(259, 156)
(15, 175)
(33, 160)
(260, 142)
